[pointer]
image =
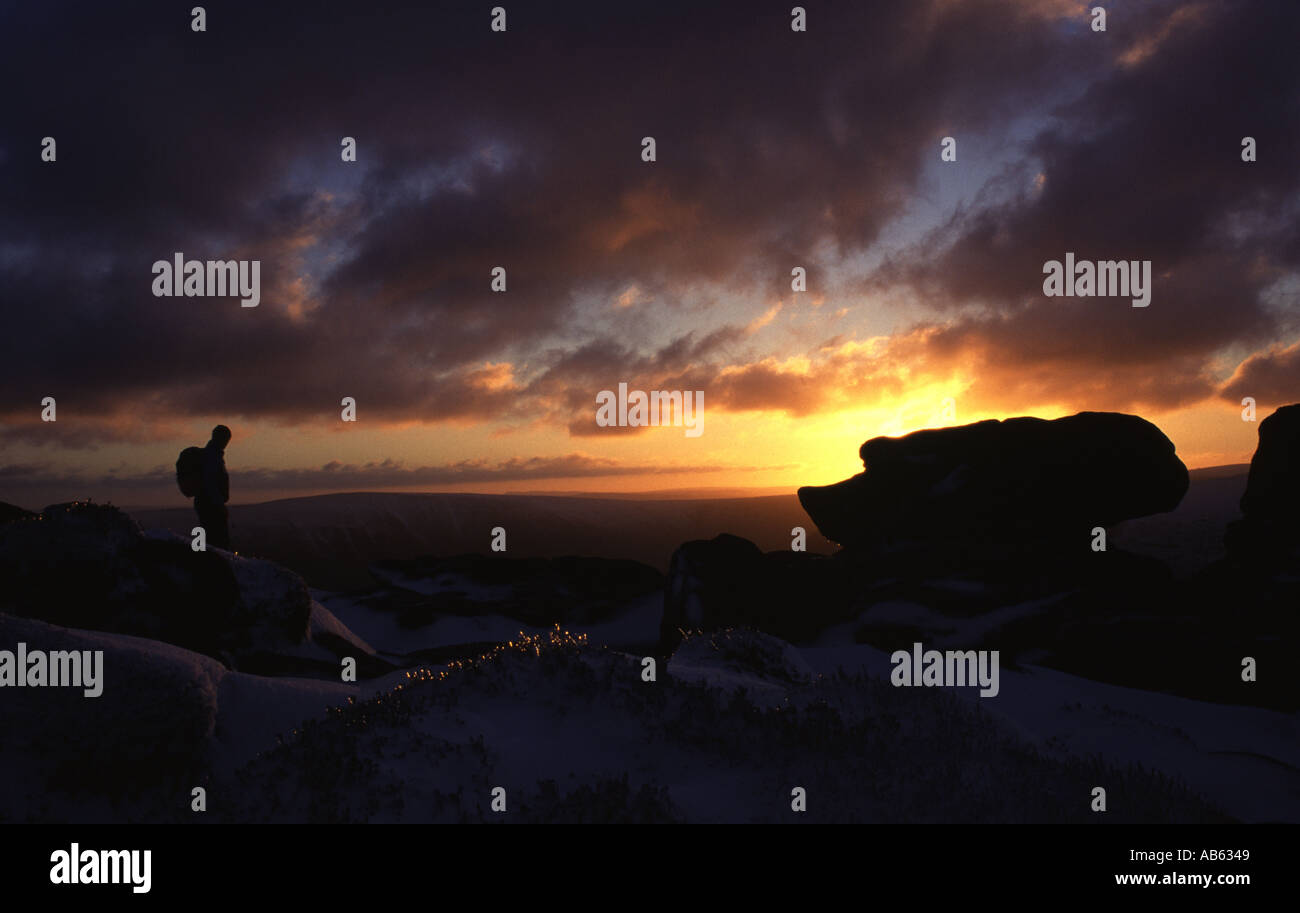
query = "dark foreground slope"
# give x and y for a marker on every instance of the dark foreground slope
(734, 725)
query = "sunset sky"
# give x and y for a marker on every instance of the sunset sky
(522, 149)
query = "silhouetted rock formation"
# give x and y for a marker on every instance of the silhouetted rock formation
(945, 525)
(1270, 530)
(89, 566)
(980, 537)
(726, 581)
(1022, 480)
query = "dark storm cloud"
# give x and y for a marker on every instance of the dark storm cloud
(476, 150)
(522, 150)
(1146, 165)
(1271, 377)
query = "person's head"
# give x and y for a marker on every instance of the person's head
(221, 436)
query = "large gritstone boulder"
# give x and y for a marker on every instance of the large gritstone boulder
(1270, 528)
(90, 566)
(1025, 480)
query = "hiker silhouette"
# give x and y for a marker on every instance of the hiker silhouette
(214, 492)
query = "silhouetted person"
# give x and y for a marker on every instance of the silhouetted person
(215, 491)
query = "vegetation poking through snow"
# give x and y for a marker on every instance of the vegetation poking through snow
(573, 733)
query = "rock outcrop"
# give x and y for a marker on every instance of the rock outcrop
(1270, 529)
(728, 582)
(90, 566)
(1021, 480)
(980, 537)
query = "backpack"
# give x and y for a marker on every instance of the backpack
(189, 471)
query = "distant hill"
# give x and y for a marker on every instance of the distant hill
(330, 539)
(1190, 536)
(1220, 472)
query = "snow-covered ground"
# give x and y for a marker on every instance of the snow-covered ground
(638, 623)
(732, 723)
(568, 725)
(727, 730)
(1245, 759)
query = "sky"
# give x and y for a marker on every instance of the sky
(522, 149)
